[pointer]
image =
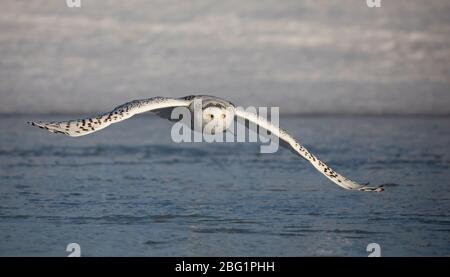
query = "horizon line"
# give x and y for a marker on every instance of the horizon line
(321, 114)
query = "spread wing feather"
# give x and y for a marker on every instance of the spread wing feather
(288, 141)
(81, 127)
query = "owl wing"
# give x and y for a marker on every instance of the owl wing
(80, 127)
(291, 143)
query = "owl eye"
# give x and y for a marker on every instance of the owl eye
(223, 116)
(211, 116)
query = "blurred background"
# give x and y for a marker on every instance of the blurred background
(307, 57)
(130, 190)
